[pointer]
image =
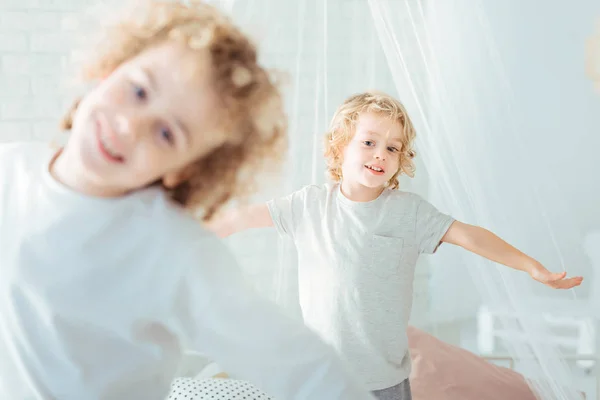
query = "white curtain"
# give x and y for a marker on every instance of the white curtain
(508, 129)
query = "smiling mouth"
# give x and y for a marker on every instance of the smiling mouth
(106, 146)
(372, 168)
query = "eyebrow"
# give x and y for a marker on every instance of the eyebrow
(394, 140)
(153, 86)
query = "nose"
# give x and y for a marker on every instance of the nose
(129, 125)
(379, 155)
(122, 124)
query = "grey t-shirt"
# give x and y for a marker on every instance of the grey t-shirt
(356, 270)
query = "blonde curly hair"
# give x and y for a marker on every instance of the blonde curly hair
(342, 129)
(253, 116)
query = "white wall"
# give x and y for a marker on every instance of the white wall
(33, 51)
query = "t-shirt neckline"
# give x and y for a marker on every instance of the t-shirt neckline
(360, 204)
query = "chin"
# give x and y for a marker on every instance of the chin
(373, 184)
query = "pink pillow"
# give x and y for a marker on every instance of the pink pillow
(445, 372)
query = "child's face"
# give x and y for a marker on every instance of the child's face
(147, 121)
(372, 157)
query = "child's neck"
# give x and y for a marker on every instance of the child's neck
(359, 193)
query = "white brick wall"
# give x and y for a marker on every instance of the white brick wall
(34, 49)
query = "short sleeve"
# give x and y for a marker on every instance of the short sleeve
(431, 226)
(287, 212)
(220, 316)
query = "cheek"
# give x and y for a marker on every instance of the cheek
(101, 97)
(113, 90)
(152, 164)
(395, 165)
(348, 161)
(112, 94)
(353, 153)
(82, 115)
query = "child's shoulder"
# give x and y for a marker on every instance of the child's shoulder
(322, 188)
(407, 202)
(404, 196)
(312, 191)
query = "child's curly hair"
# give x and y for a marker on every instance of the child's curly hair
(254, 119)
(343, 125)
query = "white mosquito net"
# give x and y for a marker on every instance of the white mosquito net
(507, 127)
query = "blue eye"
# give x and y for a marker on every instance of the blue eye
(393, 149)
(140, 92)
(166, 134)
(368, 142)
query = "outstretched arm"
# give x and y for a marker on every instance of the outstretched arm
(486, 244)
(237, 220)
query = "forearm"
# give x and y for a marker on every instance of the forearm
(486, 244)
(241, 219)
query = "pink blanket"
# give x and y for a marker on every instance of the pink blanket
(445, 372)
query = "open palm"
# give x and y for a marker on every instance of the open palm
(554, 280)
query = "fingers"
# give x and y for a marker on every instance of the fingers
(548, 277)
(557, 276)
(566, 283)
(557, 280)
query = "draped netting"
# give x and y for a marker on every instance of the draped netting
(505, 119)
(507, 125)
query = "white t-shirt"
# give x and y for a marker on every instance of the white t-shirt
(99, 298)
(356, 270)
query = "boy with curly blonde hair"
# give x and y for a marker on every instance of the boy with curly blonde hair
(359, 238)
(106, 274)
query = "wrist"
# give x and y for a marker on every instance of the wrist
(531, 266)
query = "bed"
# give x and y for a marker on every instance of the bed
(446, 372)
(440, 371)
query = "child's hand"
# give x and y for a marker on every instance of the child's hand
(554, 280)
(236, 220)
